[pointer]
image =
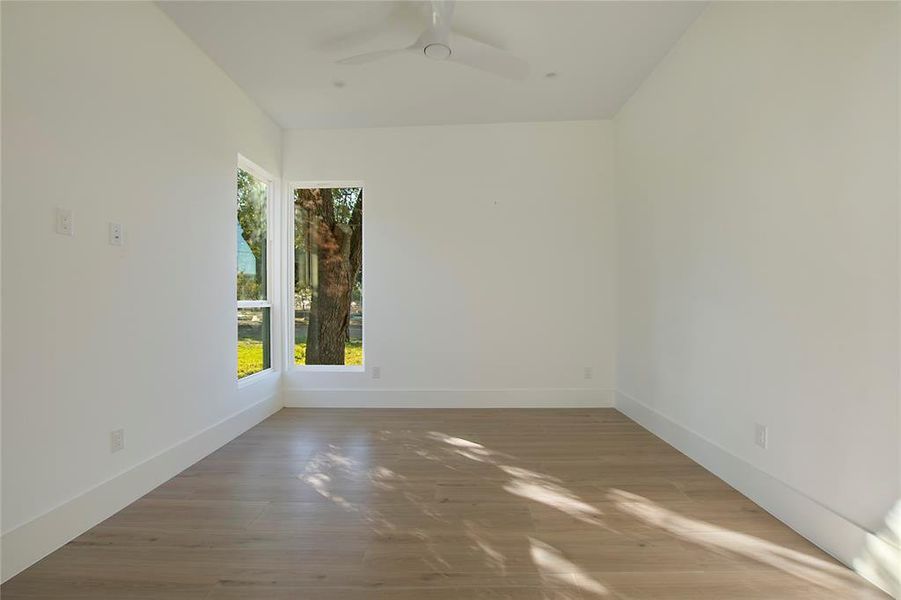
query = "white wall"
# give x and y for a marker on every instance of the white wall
(109, 110)
(488, 256)
(758, 246)
(758, 264)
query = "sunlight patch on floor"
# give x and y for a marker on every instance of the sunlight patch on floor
(493, 558)
(725, 541)
(555, 568)
(326, 471)
(555, 497)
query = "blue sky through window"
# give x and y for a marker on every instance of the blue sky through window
(246, 261)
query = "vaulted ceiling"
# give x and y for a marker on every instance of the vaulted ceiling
(586, 58)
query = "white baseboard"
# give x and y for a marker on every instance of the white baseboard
(32, 541)
(499, 398)
(830, 531)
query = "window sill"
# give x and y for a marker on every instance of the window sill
(329, 368)
(255, 378)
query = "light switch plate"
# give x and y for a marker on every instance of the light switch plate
(117, 440)
(761, 435)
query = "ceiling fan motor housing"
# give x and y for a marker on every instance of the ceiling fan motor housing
(437, 51)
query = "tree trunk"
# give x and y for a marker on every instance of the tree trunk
(337, 250)
(332, 310)
(312, 356)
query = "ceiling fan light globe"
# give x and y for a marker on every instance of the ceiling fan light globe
(437, 51)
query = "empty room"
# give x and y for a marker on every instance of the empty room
(450, 300)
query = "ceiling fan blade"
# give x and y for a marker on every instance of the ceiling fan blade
(476, 54)
(361, 59)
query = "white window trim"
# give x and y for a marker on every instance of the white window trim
(263, 375)
(254, 303)
(273, 271)
(290, 363)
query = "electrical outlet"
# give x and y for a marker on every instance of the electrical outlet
(760, 435)
(589, 373)
(376, 372)
(117, 440)
(64, 222)
(115, 234)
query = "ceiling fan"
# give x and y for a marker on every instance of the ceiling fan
(438, 42)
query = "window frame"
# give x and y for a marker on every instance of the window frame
(290, 363)
(261, 174)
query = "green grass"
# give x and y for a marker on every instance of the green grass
(353, 353)
(250, 355)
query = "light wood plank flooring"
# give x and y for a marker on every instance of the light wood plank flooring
(441, 505)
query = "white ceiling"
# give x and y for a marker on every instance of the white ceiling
(283, 54)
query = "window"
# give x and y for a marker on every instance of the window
(328, 275)
(254, 306)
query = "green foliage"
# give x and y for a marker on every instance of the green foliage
(252, 197)
(248, 287)
(252, 211)
(345, 199)
(250, 355)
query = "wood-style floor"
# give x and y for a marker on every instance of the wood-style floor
(441, 505)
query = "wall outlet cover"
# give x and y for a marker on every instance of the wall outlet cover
(115, 234)
(64, 222)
